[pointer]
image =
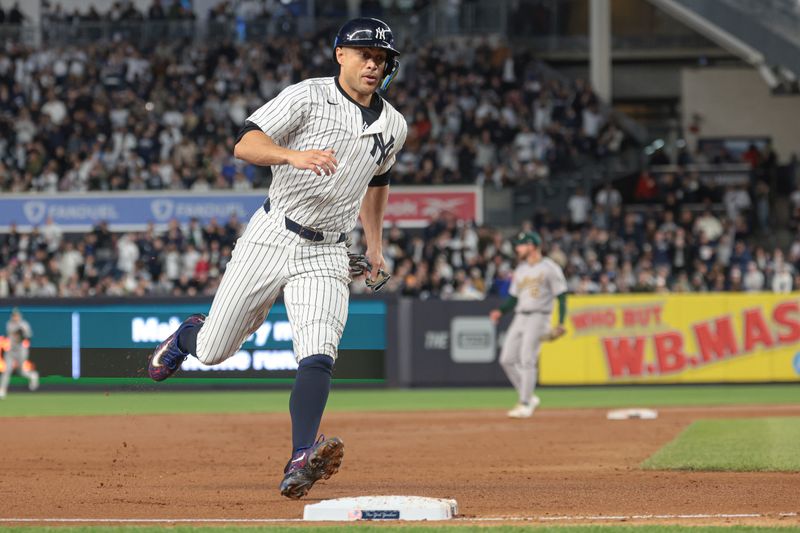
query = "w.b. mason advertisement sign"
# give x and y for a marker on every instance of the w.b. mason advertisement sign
(620, 339)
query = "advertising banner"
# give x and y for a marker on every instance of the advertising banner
(124, 211)
(407, 207)
(453, 343)
(417, 206)
(115, 340)
(703, 338)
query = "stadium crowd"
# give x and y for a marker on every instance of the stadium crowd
(118, 117)
(602, 247)
(111, 117)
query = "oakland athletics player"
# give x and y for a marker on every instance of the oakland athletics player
(330, 143)
(536, 283)
(18, 332)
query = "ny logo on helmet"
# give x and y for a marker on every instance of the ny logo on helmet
(380, 33)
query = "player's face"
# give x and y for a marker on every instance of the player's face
(524, 250)
(362, 68)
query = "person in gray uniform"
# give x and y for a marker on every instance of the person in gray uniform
(18, 331)
(537, 283)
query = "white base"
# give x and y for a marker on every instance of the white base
(381, 508)
(627, 414)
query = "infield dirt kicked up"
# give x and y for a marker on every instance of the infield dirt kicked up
(560, 463)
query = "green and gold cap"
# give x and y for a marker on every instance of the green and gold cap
(525, 237)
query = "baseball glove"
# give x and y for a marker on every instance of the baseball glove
(380, 280)
(359, 266)
(554, 333)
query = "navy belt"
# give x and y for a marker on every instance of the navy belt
(305, 232)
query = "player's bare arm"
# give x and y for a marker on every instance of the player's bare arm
(258, 148)
(372, 210)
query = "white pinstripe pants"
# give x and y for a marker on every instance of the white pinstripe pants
(267, 258)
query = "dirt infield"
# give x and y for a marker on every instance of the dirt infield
(561, 462)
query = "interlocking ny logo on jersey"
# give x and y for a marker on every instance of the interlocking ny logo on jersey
(384, 148)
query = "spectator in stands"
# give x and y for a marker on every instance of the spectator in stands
(15, 15)
(782, 280)
(52, 235)
(153, 115)
(762, 205)
(737, 201)
(659, 157)
(608, 197)
(708, 225)
(753, 279)
(646, 188)
(454, 260)
(579, 205)
(752, 156)
(156, 11)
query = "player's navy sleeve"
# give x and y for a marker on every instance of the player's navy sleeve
(283, 114)
(381, 180)
(248, 126)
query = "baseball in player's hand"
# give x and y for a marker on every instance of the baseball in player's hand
(494, 315)
(318, 161)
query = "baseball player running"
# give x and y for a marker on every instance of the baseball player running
(330, 143)
(536, 283)
(18, 332)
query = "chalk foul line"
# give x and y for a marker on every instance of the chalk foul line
(562, 518)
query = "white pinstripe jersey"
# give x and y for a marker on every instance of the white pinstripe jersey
(315, 115)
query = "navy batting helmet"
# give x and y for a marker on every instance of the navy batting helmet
(370, 33)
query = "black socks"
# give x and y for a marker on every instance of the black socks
(187, 340)
(308, 399)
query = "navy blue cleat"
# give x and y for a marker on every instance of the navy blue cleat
(167, 358)
(308, 466)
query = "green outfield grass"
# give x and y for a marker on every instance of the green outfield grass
(43, 403)
(369, 528)
(746, 445)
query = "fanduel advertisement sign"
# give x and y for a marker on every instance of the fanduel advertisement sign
(124, 211)
(407, 207)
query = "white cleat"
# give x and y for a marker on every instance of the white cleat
(513, 410)
(535, 401)
(33, 384)
(525, 411)
(522, 411)
(2, 395)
